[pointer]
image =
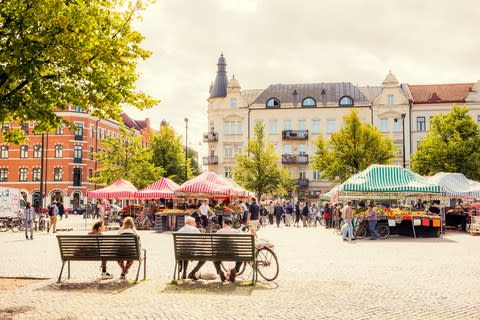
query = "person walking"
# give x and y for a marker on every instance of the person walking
(29, 215)
(372, 222)
(288, 214)
(316, 214)
(305, 213)
(271, 215)
(327, 215)
(253, 217)
(347, 218)
(61, 210)
(297, 214)
(53, 213)
(278, 212)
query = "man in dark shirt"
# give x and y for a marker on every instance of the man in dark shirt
(253, 216)
(433, 209)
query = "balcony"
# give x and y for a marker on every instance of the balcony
(77, 160)
(295, 134)
(302, 183)
(210, 160)
(295, 158)
(211, 136)
(78, 137)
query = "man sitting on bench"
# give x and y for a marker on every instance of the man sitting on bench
(190, 227)
(227, 229)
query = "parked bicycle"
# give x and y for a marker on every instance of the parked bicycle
(12, 223)
(361, 229)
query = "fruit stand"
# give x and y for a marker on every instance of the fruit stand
(170, 220)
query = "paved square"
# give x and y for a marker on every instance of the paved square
(321, 277)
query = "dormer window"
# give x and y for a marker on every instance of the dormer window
(345, 101)
(309, 102)
(390, 99)
(273, 103)
(233, 103)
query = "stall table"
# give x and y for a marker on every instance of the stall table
(169, 221)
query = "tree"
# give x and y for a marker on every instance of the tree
(56, 53)
(258, 169)
(351, 150)
(125, 157)
(169, 154)
(193, 158)
(450, 146)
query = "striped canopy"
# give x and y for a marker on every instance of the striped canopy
(163, 188)
(208, 184)
(120, 189)
(388, 179)
(457, 185)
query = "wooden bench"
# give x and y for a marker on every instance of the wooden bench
(100, 248)
(214, 247)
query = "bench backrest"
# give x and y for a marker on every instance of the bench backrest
(99, 247)
(214, 247)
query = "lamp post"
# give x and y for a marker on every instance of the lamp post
(403, 140)
(186, 148)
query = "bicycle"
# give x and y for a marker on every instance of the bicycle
(361, 230)
(12, 223)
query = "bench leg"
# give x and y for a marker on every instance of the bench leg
(175, 271)
(68, 269)
(61, 271)
(144, 264)
(138, 270)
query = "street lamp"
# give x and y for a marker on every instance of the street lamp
(403, 133)
(186, 148)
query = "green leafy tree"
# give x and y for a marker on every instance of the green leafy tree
(168, 153)
(452, 145)
(56, 53)
(258, 169)
(351, 150)
(125, 157)
(193, 158)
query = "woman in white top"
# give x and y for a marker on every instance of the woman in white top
(128, 227)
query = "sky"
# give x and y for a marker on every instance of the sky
(283, 41)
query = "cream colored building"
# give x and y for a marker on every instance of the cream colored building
(296, 114)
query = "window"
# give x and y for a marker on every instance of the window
(3, 174)
(421, 126)
(273, 103)
(233, 127)
(90, 156)
(384, 125)
(272, 127)
(302, 173)
(287, 125)
(4, 152)
(302, 125)
(23, 173)
(59, 131)
(58, 151)
(315, 175)
(78, 109)
(77, 177)
(90, 173)
(315, 126)
(37, 151)
(92, 131)
(287, 149)
(228, 151)
(399, 146)
(233, 103)
(24, 127)
(397, 124)
(24, 151)
(302, 148)
(228, 172)
(237, 149)
(79, 131)
(390, 100)
(345, 101)
(36, 174)
(77, 154)
(309, 102)
(57, 174)
(6, 127)
(331, 126)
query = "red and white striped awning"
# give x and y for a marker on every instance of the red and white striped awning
(163, 188)
(120, 189)
(207, 184)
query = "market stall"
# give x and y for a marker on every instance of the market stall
(394, 182)
(120, 189)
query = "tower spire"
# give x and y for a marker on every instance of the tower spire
(221, 81)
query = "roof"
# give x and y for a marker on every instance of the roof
(321, 92)
(457, 185)
(371, 92)
(219, 88)
(440, 93)
(134, 124)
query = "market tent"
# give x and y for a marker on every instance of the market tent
(239, 191)
(456, 185)
(208, 184)
(120, 189)
(163, 188)
(388, 180)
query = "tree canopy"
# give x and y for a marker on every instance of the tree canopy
(125, 157)
(258, 169)
(56, 53)
(168, 153)
(351, 150)
(452, 145)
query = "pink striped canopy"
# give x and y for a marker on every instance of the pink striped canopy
(163, 188)
(120, 189)
(208, 184)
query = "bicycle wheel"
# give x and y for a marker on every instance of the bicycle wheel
(3, 227)
(267, 264)
(383, 231)
(360, 232)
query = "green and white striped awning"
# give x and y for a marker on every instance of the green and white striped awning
(388, 179)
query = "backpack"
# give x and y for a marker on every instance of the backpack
(50, 211)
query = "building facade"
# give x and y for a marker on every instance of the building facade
(296, 114)
(68, 159)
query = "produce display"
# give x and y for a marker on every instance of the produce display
(398, 215)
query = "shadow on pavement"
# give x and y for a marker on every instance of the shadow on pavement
(111, 286)
(240, 288)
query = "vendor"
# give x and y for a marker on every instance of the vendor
(433, 209)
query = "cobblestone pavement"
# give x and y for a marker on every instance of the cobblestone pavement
(321, 277)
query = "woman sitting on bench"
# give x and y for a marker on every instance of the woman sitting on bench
(97, 229)
(128, 227)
